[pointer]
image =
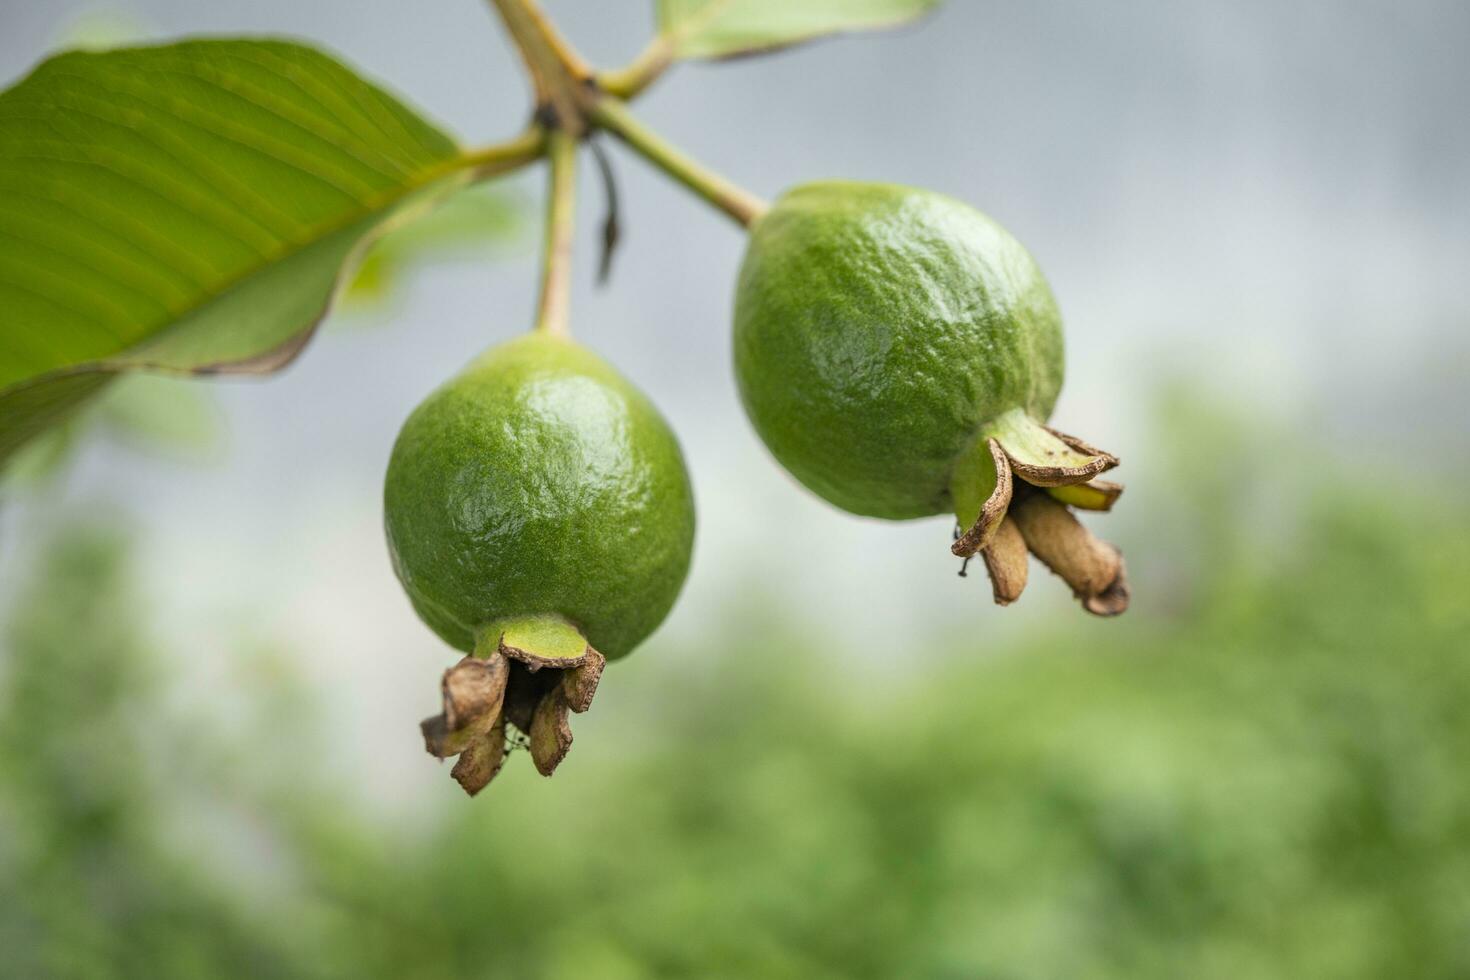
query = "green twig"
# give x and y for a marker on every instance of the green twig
(500, 158)
(553, 310)
(612, 114)
(629, 81)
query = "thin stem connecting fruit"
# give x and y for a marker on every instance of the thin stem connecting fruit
(612, 114)
(553, 310)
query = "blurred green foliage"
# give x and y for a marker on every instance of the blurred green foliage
(170, 417)
(1264, 776)
(478, 223)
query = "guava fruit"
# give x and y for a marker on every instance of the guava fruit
(540, 518)
(900, 353)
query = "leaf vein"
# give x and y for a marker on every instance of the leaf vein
(355, 145)
(180, 259)
(234, 208)
(250, 138)
(344, 90)
(108, 275)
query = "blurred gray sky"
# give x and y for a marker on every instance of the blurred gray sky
(1272, 199)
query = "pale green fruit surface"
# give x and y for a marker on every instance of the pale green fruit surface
(878, 328)
(539, 481)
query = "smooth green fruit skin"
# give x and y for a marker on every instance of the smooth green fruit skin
(877, 329)
(539, 481)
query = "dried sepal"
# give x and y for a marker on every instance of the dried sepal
(580, 683)
(1006, 562)
(481, 760)
(530, 673)
(472, 692)
(1112, 601)
(551, 732)
(1093, 568)
(993, 511)
(1099, 495)
(473, 689)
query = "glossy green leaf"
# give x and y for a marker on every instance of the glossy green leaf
(188, 208)
(728, 28)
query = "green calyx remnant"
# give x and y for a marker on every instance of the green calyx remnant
(527, 673)
(1011, 491)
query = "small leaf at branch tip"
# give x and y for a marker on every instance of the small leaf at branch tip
(724, 29)
(551, 732)
(992, 512)
(1006, 562)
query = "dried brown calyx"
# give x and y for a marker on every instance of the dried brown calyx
(1013, 495)
(525, 675)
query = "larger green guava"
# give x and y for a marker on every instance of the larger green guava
(877, 329)
(899, 353)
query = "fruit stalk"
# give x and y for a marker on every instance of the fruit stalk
(612, 114)
(553, 308)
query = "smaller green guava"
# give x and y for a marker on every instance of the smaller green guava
(540, 518)
(900, 353)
